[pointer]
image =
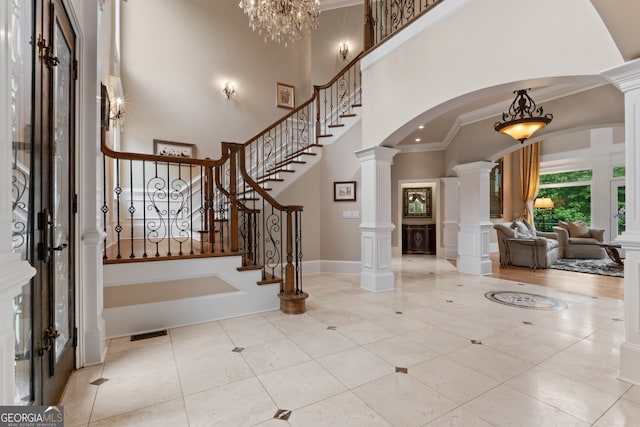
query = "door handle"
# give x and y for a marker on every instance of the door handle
(60, 247)
(50, 334)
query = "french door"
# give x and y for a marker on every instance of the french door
(45, 312)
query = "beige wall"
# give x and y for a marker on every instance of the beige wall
(341, 236)
(304, 191)
(336, 25)
(327, 234)
(176, 56)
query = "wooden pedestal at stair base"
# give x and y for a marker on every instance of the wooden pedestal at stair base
(293, 304)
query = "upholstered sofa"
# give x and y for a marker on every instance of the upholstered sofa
(577, 240)
(532, 249)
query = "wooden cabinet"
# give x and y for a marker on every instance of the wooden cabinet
(419, 239)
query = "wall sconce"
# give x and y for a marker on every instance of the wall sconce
(117, 115)
(343, 49)
(229, 88)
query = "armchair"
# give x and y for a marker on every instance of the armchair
(577, 240)
(541, 248)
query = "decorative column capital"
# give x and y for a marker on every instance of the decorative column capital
(385, 154)
(625, 77)
(473, 167)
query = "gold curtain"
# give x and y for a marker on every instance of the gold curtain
(529, 178)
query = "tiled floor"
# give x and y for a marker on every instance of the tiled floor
(557, 369)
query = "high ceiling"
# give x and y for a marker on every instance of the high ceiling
(578, 103)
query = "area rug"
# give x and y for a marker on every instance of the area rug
(526, 300)
(592, 266)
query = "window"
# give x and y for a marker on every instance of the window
(571, 195)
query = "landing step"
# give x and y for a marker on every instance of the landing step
(249, 268)
(269, 281)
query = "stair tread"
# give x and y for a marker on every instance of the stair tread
(337, 125)
(348, 115)
(327, 135)
(356, 105)
(269, 281)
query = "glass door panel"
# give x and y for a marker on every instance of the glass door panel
(61, 215)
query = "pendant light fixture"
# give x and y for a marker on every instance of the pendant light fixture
(523, 119)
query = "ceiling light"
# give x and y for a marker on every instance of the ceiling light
(418, 139)
(421, 127)
(282, 20)
(519, 122)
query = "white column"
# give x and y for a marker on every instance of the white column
(473, 237)
(91, 327)
(376, 225)
(451, 216)
(627, 79)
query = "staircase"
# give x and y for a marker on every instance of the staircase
(219, 220)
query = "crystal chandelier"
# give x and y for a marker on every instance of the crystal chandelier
(282, 20)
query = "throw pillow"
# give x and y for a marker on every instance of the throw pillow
(564, 225)
(521, 229)
(578, 229)
(530, 227)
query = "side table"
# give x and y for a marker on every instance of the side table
(611, 248)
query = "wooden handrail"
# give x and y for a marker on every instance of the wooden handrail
(309, 101)
(339, 74)
(280, 120)
(124, 155)
(240, 148)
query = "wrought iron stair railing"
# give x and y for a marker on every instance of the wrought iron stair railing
(271, 153)
(162, 208)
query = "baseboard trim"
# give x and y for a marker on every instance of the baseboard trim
(331, 266)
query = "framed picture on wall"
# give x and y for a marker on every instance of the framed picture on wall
(173, 149)
(344, 191)
(495, 191)
(285, 96)
(416, 202)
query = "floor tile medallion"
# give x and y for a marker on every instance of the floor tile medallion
(526, 300)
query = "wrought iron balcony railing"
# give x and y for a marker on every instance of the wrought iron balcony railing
(384, 18)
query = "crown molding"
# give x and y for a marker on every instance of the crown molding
(337, 4)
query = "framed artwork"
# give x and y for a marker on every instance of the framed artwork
(105, 106)
(344, 191)
(173, 149)
(495, 191)
(417, 202)
(285, 96)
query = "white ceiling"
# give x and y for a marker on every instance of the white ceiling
(576, 103)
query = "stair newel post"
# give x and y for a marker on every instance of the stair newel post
(233, 189)
(292, 300)
(368, 25)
